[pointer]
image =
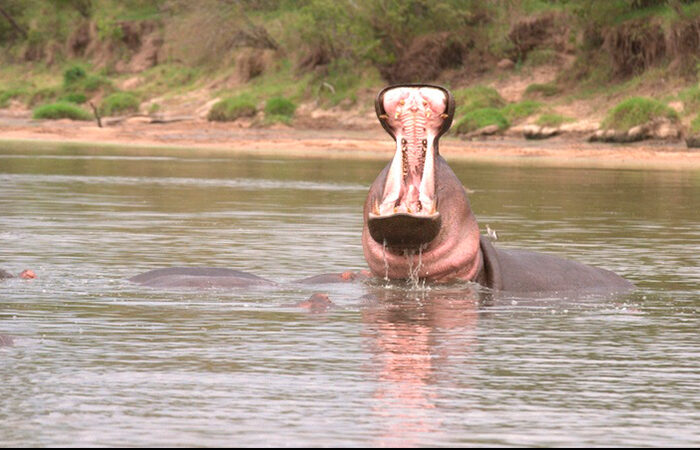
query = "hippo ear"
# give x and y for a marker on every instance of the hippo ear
(382, 116)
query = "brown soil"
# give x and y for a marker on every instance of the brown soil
(207, 137)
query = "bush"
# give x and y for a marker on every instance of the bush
(119, 102)
(74, 97)
(477, 97)
(545, 90)
(552, 120)
(73, 74)
(691, 99)
(280, 106)
(9, 94)
(695, 126)
(232, 108)
(637, 111)
(61, 110)
(479, 118)
(516, 111)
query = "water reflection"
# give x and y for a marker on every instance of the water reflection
(99, 361)
(414, 335)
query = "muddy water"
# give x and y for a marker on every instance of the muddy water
(99, 361)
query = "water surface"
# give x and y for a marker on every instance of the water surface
(100, 361)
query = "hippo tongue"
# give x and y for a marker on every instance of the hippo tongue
(406, 215)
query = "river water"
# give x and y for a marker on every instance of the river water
(99, 361)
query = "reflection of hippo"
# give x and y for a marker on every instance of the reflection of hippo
(6, 341)
(417, 220)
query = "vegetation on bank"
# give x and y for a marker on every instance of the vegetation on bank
(119, 103)
(61, 110)
(232, 108)
(120, 54)
(637, 111)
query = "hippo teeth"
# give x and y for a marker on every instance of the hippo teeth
(416, 115)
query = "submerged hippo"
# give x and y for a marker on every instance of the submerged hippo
(417, 220)
(25, 274)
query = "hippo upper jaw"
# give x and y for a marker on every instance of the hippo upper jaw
(417, 216)
(404, 214)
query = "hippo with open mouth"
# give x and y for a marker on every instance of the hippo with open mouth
(417, 220)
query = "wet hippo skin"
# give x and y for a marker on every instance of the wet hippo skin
(444, 243)
(418, 223)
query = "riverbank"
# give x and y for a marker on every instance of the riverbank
(225, 138)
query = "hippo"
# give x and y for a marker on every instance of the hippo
(25, 274)
(418, 223)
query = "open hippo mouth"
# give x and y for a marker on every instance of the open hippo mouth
(406, 215)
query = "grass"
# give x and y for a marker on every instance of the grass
(480, 118)
(695, 126)
(232, 108)
(478, 97)
(542, 89)
(9, 94)
(75, 97)
(552, 120)
(691, 99)
(635, 111)
(520, 110)
(118, 103)
(61, 110)
(279, 109)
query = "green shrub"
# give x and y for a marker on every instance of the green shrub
(73, 74)
(695, 125)
(552, 120)
(43, 95)
(119, 102)
(232, 108)
(280, 106)
(637, 111)
(517, 111)
(691, 99)
(74, 97)
(545, 90)
(479, 118)
(477, 97)
(61, 110)
(9, 94)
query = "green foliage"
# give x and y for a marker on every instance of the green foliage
(73, 75)
(517, 111)
(479, 118)
(44, 94)
(61, 110)
(118, 103)
(77, 80)
(232, 108)
(695, 126)
(280, 106)
(691, 99)
(539, 57)
(477, 97)
(637, 111)
(545, 90)
(552, 120)
(9, 94)
(74, 97)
